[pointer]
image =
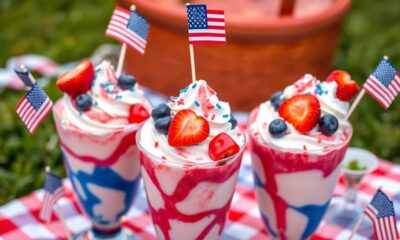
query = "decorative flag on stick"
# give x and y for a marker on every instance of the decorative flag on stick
(35, 105)
(204, 27)
(130, 28)
(381, 212)
(383, 85)
(54, 190)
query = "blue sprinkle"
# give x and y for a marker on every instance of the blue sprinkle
(225, 115)
(194, 85)
(118, 97)
(218, 106)
(174, 98)
(197, 103)
(80, 113)
(184, 90)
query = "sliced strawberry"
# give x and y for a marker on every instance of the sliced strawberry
(138, 113)
(78, 80)
(187, 129)
(222, 146)
(302, 111)
(347, 88)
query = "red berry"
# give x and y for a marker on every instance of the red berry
(138, 113)
(222, 146)
(347, 88)
(187, 129)
(78, 80)
(302, 111)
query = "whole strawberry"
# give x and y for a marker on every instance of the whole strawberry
(347, 88)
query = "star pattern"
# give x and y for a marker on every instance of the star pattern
(197, 16)
(138, 24)
(385, 73)
(36, 96)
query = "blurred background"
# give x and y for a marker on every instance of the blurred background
(70, 30)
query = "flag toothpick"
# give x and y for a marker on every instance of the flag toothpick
(129, 28)
(205, 26)
(35, 105)
(383, 85)
(380, 211)
(54, 191)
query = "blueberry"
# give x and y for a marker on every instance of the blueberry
(277, 103)
(328, 124)
(83, 102)
(162, 124)
(275, 96)
(161, 110)
(277, 128)
(233, 121)
(126, 81)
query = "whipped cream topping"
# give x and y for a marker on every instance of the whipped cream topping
(110, 108)
(313, 141)
(203, 100)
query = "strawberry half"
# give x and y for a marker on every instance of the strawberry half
(187, 128)
(302, 111)
(78, 80)
(347, 88)
(137, 113)
(222, 146)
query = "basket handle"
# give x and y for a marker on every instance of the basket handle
(287, 7)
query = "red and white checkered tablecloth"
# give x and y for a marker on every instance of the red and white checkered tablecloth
(19, 218)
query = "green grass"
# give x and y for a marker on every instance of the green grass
(70, 30)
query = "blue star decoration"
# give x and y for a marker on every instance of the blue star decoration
(197, 16)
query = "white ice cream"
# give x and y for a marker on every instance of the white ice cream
(313, 141)
(111, 104)
(202, 100)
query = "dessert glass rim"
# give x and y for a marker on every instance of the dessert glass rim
(216, 163)
(296, 151)
(106, 131)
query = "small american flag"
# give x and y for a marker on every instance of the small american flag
(381, 212)
(54, 190)
(205, 26)
(128, 27)
(384, 83)
(34, 107)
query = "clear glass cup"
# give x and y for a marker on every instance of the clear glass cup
(104, 172)
(344, 211)
(294, 188)
(188, 201)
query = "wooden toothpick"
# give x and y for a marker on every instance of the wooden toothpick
(192, 63)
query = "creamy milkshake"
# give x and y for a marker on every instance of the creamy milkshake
(298, 140)
(96, 121)
(190, 152)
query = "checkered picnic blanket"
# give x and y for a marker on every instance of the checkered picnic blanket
(19, 219)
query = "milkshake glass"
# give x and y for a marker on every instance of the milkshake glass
(295, 174)
(189, 194)
(100, 153)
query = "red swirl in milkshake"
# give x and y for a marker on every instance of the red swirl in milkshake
(298, 140)
(96, 121)
(190, 153)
